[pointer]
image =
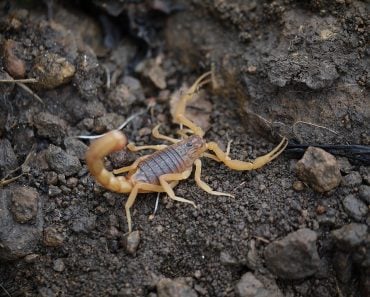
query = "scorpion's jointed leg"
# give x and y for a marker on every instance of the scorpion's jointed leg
(131, 198)
(164, 179)
(110, 142)
(188, 96)
(202, 184)
(130, 167)
(157, 147)
(241, 165)
(156, 134)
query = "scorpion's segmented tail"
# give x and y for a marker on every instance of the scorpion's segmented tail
(100, 148)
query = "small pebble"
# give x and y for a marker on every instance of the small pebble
(58, 265)
(131, 242)
(52, 237)
(354, 207)
(298, 186)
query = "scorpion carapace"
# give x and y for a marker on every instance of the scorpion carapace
(162, 170)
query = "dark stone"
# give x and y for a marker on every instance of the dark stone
(75, 147)
(250, 286)
(364, 193)
(350, 236)
(354, 207)
(170, 288)
(61, 162)
(24, 204)
(18, 240)
(295, 256)
(50, 126)
(8, 159)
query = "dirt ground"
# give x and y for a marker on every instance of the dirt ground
(99, 62)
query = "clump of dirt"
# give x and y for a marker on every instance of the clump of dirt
(281, 68)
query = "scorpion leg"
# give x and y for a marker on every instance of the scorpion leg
(164, 179)
(130, 167)
(158, 135)
(241, 165)
(202, 184)
(132, 197)
(157, 147)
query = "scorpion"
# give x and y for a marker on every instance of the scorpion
(162, 170)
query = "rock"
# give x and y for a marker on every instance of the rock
(227, 259)
(319, 169)
(17, 240)
(298, 186)
(84, 223)
(61, 162)
(354, 207)
(126, 93)
(52, 70)
(344, 165)
(350, 236)
(24, 204)
(131, 242)
(52, 237)
(249, 286)
(75, 147)
(170, 288)
(31, 258)
(295, 256)
(364, 193)
(8, 159)
(89, 74)
(352, 179)
(14, 65)
(54, 191)
(107, 122)
(58, 265)
(50, 126)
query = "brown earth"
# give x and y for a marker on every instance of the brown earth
(279, 66)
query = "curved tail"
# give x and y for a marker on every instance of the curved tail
(109, 143)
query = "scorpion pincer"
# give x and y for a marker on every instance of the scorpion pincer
(162, 170)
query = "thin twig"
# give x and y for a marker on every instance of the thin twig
(312, 124)
(5, 290)
(23, 81)
(27, 89)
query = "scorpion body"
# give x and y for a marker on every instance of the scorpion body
(162, 170)
(175, 158)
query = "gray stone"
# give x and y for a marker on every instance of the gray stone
(131, 242)
(319, 169)
(250, 286)
(350, 236)
(354, 207)
(8, 159)
(75, 147)
(171, 288)
(58, 265)
(17, 240)
(364, 193)
(352, 179)
(24, 204)
(61, 162)
(50, 126)
(84, 223)
(295, 256)
(52, 237)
